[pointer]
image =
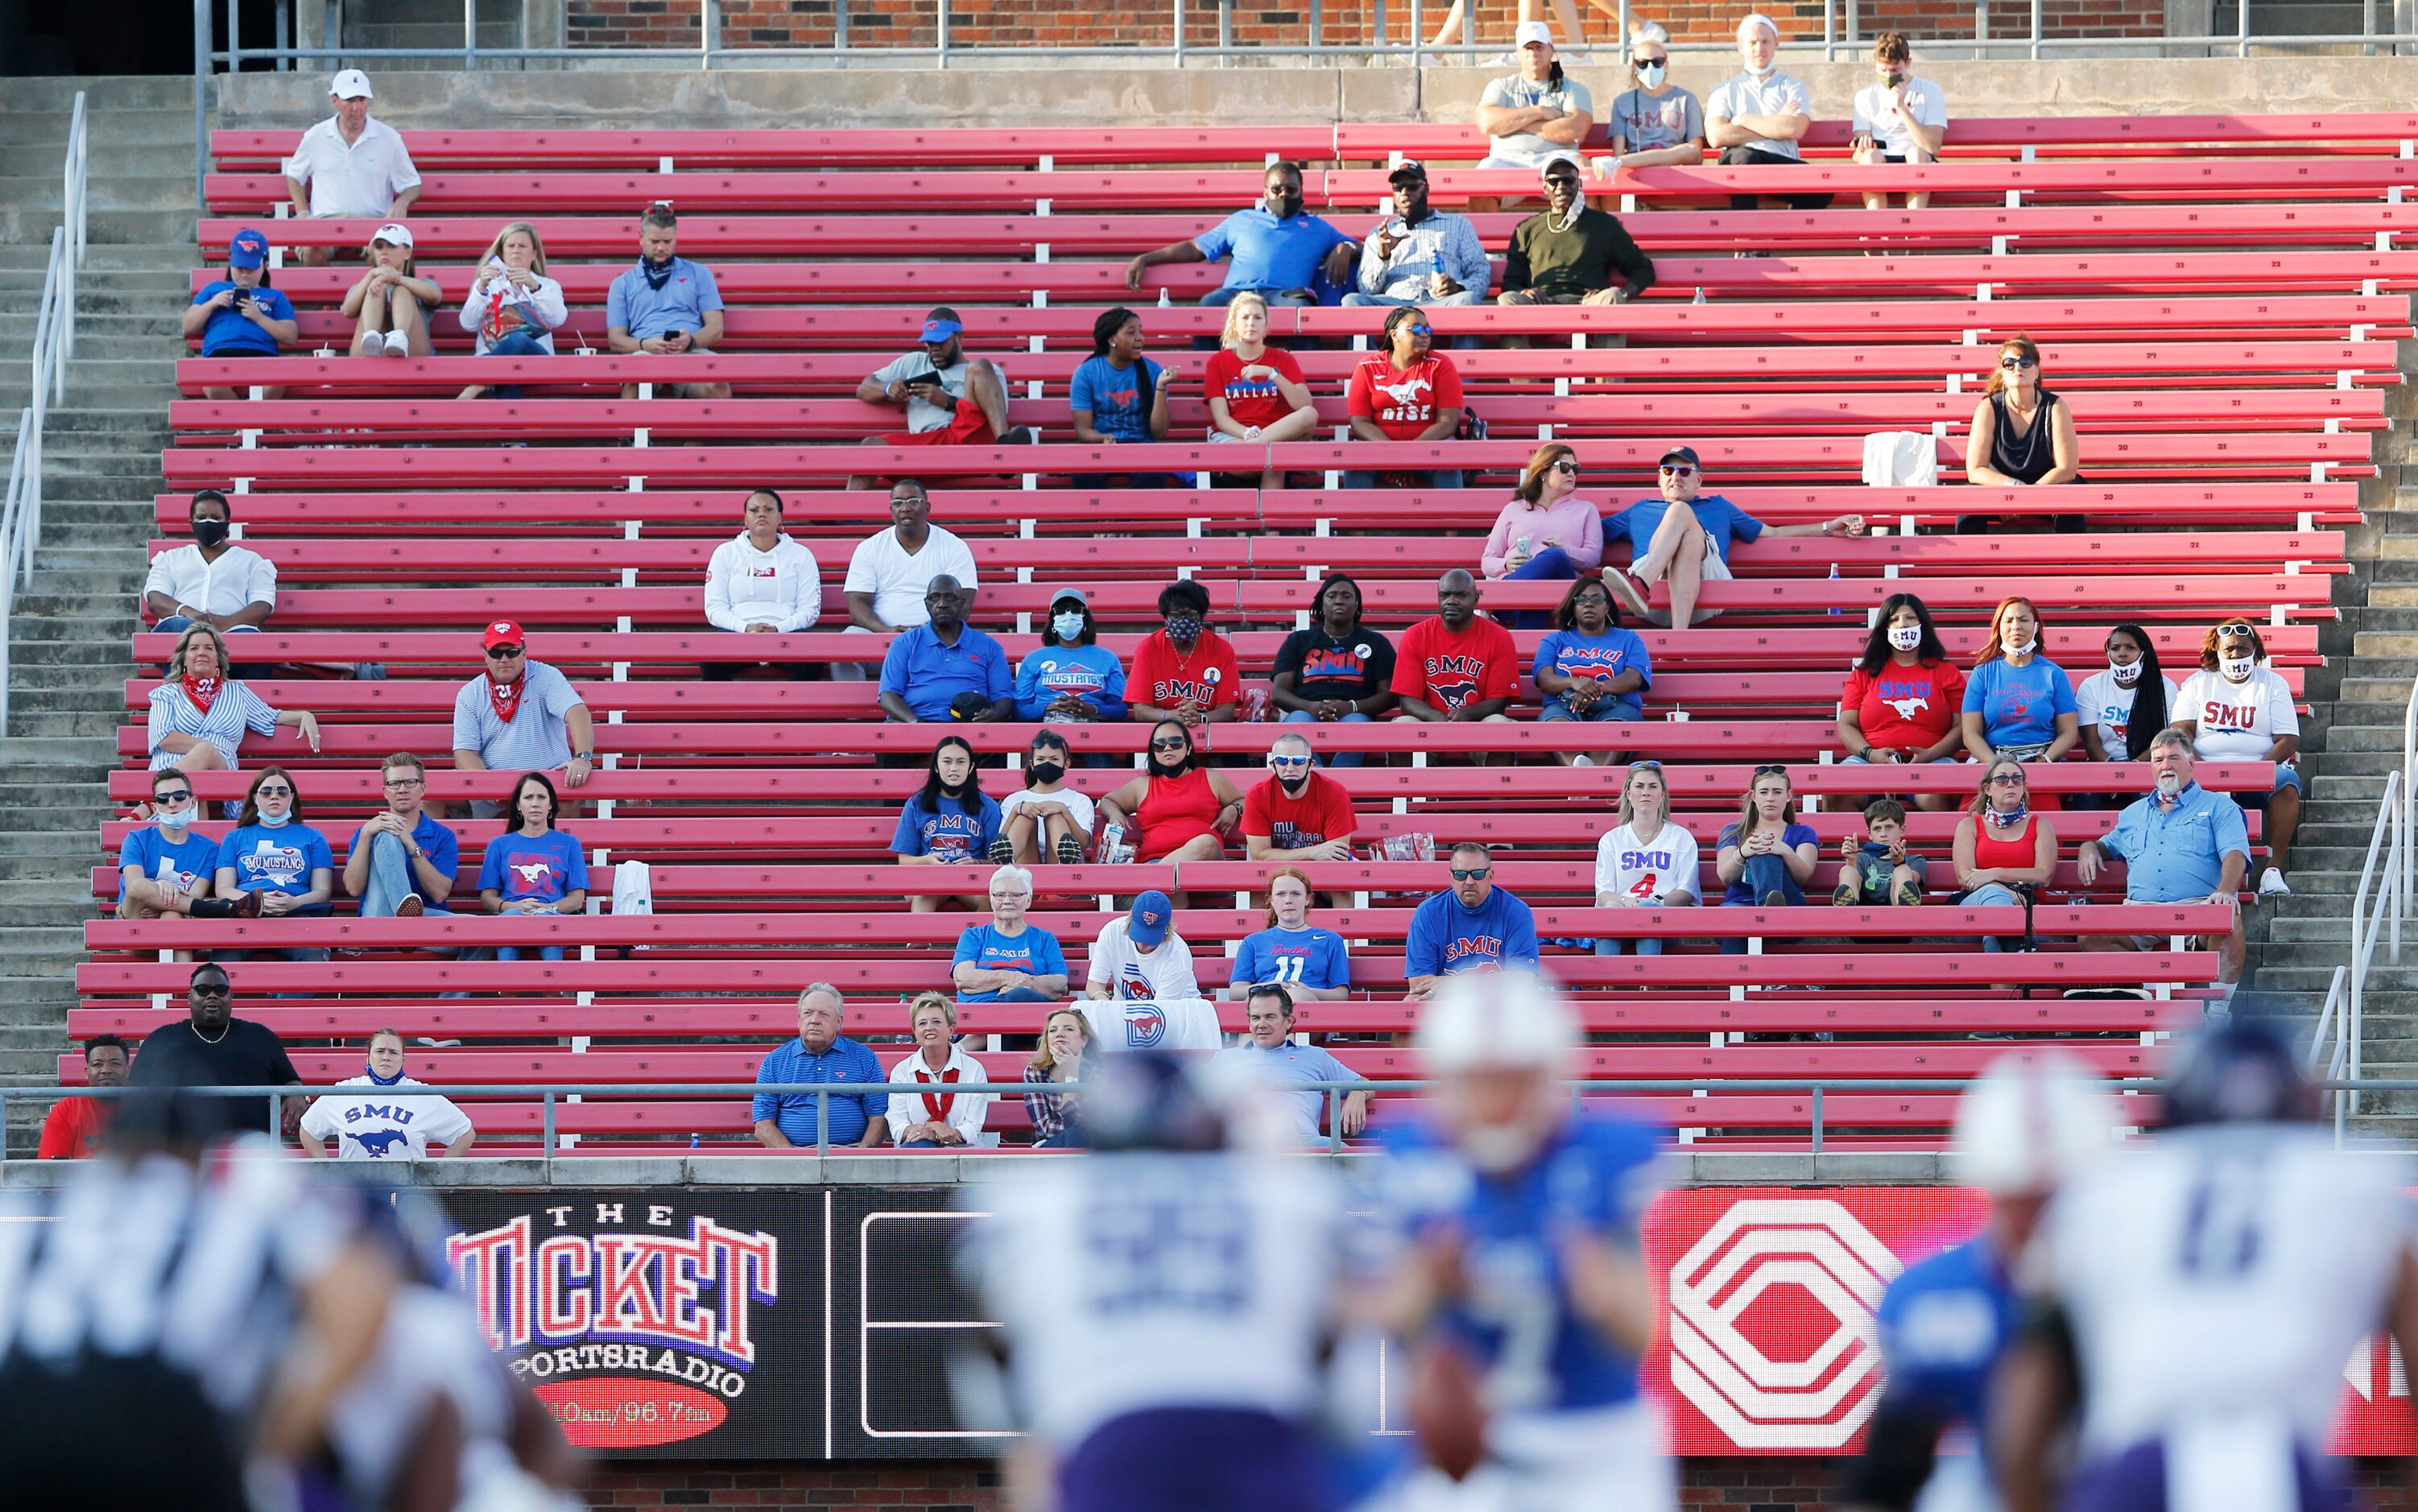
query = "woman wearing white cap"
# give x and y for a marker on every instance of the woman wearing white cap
(391, 300)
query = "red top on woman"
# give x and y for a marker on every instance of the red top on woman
(2003, 849)
(1174, 811)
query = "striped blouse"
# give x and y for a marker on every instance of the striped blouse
(236, 709)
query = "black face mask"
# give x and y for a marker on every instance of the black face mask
(209, 533)
(1294, 784)
(1047, 772)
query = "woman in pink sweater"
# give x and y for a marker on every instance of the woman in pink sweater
(1547, 531)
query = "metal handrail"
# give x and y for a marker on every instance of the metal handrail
(54, 320)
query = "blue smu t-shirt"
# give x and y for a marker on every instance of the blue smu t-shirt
(1119, 399)
(1296, 957)
(1091, 673)
(230, 333)
(545, 867)
(1790, 838)
(1724, 519)
(1033, 952)
(195, 858)
(1269, 253)
(1606, 656)
(949, 834)
(1446, 939)
(436, 841)
(1596, 1176)
(277, 859)
(2019, 705)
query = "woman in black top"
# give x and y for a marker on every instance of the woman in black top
(1338, 669)
(2021, 434)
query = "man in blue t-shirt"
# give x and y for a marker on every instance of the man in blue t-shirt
(932, 667)
(1276, 251)
(819, 1054)
(1658, 528)
(402, 861)
(1007, 960)
(240, 316)
(1472, 926)
(164, 868)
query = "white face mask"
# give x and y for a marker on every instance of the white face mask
(177, 822)
(1763, 72)
(1067, 625)
(2125, 676)
(2237, 669)
(275, 821)
(2021, 649)
(1906, 638)
(1652, 75)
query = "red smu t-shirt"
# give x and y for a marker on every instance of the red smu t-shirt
(1445, 670)
(1403, 402)
(1208, 676)
(1321, 813)
(1906, 708)
(1251, 401)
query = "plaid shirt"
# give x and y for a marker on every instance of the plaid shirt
(1052, 1114)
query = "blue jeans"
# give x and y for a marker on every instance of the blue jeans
(1553, 565)
(1437, 477)
(176, 624)
(522, 343)
(1614, 946)
(1763, 876)
(512, 953)
(1027, 995)
(1611, 711)
(389, 880)
(1340, 758)
(1992, 896)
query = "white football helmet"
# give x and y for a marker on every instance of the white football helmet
(2028, 1123)
(1498, 1042)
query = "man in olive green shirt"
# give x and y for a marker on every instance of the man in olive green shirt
(1571, 253)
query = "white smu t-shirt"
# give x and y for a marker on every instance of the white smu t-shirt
(1646, 870)
(2238, 721)
(898, 579)
(1165, 974)
(383, 1123)
(1877, 114)
(2105, 702)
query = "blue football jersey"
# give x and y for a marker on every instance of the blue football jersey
(1595, 1178)
(1942, 1325)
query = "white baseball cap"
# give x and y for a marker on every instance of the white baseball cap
(395, 233)
(351, 84)
(1532, 31)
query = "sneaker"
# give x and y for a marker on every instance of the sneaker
(409, 907)
(1844, 893)
(1630, 593)
(397, 343)
(1070, 851)
(1002, 851)
(1775, 900)
(1582, 760)
(1909, 894)
(2272, 884)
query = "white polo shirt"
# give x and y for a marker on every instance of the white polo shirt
(898, 579)
(239, 577)
(360, 179)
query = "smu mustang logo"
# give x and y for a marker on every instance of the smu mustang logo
(1145, 1025)
(379, 1143)
(1331, 662)
(1453, 678)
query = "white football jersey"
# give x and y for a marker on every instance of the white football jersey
(1153, 1280)
(2224, 1272)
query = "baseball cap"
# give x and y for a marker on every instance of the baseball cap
(351, 84)
(1545, 168)
(502, 633)
(938, 330)
(1147, 924)
(1075, 593)
(1408, 168)
(247, 248)
(1682, 453)
(1530, 31)
(395, 233)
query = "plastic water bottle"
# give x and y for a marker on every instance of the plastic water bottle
(1834, 578)
(692, 1141)
(1700, 294)
(1163, 301)
(1435, 272)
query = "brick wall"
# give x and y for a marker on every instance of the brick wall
(876, 24)
(1757, 1485)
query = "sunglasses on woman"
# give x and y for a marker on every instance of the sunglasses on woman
(2237, 628)
(2010, 363)
(1170, 745)
(1566, 465)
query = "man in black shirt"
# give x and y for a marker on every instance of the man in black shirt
(1338, 669)
(214, 1049)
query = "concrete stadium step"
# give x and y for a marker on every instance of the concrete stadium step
(101, 257)
(161, 124)
(46, 192)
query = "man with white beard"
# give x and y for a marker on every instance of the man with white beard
(2181, 844)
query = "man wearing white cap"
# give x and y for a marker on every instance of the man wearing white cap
(1756, 116)
(1536, 112)
(350, 165)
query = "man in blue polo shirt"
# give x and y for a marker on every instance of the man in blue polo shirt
(786, 1120)
(2181, 844)
(402, 863)
(1270, 1052)
(1473, 925)
(933, 666)
(1686, 537)
(1276, 251)
(666, 306)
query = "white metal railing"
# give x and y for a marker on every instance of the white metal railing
(21, 518)
(2375, 912)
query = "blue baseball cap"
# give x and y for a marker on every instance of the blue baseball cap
(938, 330)
(247, 248)
(1151, 912)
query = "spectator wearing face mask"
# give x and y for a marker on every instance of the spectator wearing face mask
(2123, 708)
(1299, 813)
(1069, 679)
(1184, 670)
(666, 306)
(1904, 703)
(2018, 703)
(2236, 707)
(213, 582)
(1046, 820)
(165, 869)
(1654, 121)
(1758, 114)
(1898, 118)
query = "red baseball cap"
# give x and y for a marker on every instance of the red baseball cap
(502, 633)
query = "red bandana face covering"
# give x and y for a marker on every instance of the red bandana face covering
(204, 692)
(506, 697)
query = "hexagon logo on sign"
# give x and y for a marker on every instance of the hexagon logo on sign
(1771, 1333)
